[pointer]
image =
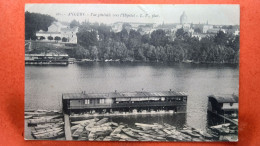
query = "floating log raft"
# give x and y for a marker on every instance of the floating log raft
(104, 130)
(45, 124)
(94, 129)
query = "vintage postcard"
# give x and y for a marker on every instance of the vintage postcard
(127, 72)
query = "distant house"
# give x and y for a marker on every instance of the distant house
(199, 35)
(206, 28)
(146, 27)
(64, 32)
(215, 30)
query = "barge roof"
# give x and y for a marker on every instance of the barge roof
(122, 94)
(225, 98)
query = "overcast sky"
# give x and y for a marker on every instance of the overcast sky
(110, 13)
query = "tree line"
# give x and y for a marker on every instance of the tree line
(98, 42)
(35, 22)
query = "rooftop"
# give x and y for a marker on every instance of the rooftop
(122, 94)
(46, 32)
(225, 98)
(46, 54)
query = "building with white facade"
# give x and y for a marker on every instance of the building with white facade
(58, 30)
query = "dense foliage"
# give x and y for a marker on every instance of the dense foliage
(35, 22)
(99, 43)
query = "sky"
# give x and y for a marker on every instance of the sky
(110, 13)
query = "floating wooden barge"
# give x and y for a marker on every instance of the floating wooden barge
(224, 106)
(124, 101)
(46, 59)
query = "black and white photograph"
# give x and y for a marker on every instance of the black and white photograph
(131, 72)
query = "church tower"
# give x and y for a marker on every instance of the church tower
(184, 18)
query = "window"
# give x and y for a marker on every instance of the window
(87, 101)
(102, 101)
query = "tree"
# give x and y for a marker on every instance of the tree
(35, 22)
(159, 38)
(74, 23)
(87, 38)
(198, 30)
(57, 38)
(81, 52)
(42, 38)
(145, 39)
(94, 52)
(134, 40)
(181, 34)
(221, 38)
(64, 39)
(50, 38)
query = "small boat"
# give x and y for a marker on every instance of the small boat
(75, 127)
(155, 137)
(173, 138)
(110, 124)
(145, 125)
(51, 135)
(28, 117)
(230, 138)
(101, 131)
(205, 134)
(89, 126)
(43, 120)
(117, 130)
(46, 131)
(190, 132)
(196, 139)
(107, 138)
(160, 132)
(220, 126)
(39, 114)
(29, 110)
(91, 136)
(83, 122)
(169, 126)
(49, 125)
(83, 135)
(167, 131)
(77, 133)
(130, 133)
(102, 121)
(40, 110)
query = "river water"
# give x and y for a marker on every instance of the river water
(44, 85)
